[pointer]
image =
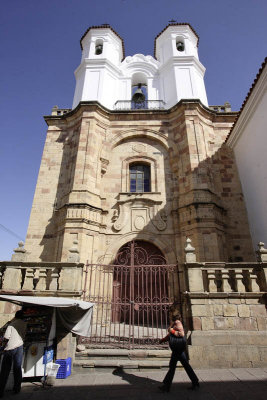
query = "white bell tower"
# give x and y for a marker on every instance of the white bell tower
(181, 72)
(97, 75)
(106, 76)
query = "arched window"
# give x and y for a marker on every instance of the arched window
(139, 178)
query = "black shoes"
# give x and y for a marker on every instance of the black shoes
(194, 386)
(164, 388)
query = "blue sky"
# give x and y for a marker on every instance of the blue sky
(40, 50)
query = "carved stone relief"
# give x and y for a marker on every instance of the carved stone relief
(138, 218)
(139, 148)
(138, 214)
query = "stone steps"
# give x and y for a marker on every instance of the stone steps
(127, 359)
(123, 363)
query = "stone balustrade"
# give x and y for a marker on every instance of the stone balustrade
(227, 277)
(42, 278)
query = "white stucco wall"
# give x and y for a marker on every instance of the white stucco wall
(249, 141)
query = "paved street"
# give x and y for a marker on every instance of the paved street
(215, 384)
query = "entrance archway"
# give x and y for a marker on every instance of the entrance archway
(141, 286)
(132, 296)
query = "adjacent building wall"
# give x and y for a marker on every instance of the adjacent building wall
(248, 140)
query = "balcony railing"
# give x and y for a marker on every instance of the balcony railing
(227, 277)
(236, 278)
(41, 277)
(129, 105)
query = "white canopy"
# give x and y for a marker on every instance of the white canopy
(75, 315)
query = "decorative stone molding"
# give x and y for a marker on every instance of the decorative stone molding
(104, 165)
(147, 62)
(83, 213)
(125, 181)
(139, 148)
(139, 210)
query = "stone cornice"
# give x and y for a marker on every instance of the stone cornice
(41, 264)
(96, 106)
(224, 295)
(43, 293)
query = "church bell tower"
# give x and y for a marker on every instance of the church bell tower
(106, 76)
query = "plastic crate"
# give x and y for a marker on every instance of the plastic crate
(64, 369)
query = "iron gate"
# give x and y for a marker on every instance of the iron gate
(132, 298)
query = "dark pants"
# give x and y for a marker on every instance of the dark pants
(14, 355)
(178, 347)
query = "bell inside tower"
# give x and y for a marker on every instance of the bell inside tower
(139, 95)
(179, 44)
(139, 91)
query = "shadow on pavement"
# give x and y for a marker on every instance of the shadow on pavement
(141, 386)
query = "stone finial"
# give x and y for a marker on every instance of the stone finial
(74, 255)
(227, 106)
(261, 253)
(54, 110)
(190, 255)
(19, 253)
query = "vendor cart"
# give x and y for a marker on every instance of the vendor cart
(43, 315)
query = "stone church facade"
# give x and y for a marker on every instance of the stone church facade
(138, 192)
(84, 187)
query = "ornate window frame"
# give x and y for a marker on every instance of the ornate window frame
(125, 176)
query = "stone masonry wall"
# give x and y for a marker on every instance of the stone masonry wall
(228, 332)
(228, 314)
(82, 191)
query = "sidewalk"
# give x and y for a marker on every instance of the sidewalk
(215, 384)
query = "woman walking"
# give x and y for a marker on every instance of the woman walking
(177, 343)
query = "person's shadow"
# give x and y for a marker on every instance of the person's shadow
(133, 379)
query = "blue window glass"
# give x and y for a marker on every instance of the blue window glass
(139, 178)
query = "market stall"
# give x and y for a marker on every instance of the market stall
(43, 316)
